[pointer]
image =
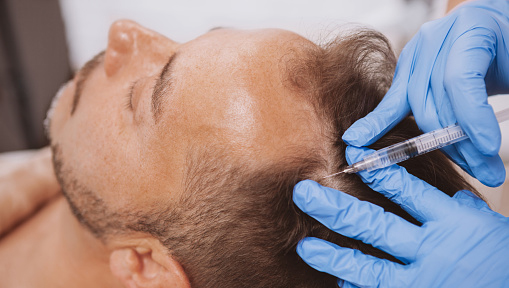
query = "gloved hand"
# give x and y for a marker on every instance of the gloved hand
(462, 242)
(442, 77)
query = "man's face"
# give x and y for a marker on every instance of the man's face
(148, 102)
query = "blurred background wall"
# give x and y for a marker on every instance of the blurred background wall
(33, 63)
(87, 22)
(42, 42)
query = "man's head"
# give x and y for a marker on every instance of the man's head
(182, 157)
(126, 128)
(147, 102)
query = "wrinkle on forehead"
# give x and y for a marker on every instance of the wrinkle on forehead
(231, 89)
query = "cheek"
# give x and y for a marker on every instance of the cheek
(59, 112)
(110, 156)
(103, 152)
(94, 133)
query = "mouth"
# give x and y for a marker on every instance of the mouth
(51, 110)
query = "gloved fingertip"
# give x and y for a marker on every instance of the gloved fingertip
(302, 192)
(483, 132)
(304, 246)
(488, 147)
(305, 185)
(312, 250)
(490, 172)
(299, 249)
(354, 154)
(493, 179)
(465, 194)
(359, 134)
(350, 137)
(468, 198)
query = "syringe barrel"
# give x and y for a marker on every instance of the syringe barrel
(439, 138)
(390, 155)
(410, 148)
(416, 146)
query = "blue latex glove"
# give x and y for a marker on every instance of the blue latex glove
(462, 242)
(442, 76)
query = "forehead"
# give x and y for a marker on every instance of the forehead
(250, 42)
(231, 89)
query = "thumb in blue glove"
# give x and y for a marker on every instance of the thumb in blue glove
(443, 77)
(461, 243)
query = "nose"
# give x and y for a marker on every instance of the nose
(127, 39)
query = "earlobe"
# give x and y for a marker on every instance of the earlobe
(141, 267)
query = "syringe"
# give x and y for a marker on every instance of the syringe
(414, 147)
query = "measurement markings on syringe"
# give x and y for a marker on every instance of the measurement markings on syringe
(433, 141)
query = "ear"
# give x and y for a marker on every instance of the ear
(141, 267)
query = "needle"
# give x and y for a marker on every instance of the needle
(348, 170)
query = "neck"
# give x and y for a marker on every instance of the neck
(51, 249)
(84, 258)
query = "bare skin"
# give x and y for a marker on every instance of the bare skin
(50, 248)
(451, 4)
(25, 185)
(228, 89)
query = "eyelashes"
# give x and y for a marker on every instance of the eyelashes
(129, 97)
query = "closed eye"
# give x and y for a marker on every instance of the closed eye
(129, 97)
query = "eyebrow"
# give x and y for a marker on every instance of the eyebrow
(163, 86)
(216, 28)
(83, 75)
(165, 83)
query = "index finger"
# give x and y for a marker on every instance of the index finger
(469, 60)
(392, 109)
(358, 219)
